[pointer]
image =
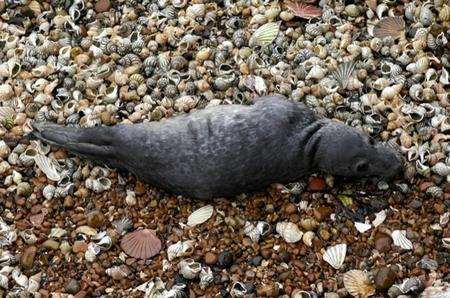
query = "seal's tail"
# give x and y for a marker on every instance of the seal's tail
(93, 142)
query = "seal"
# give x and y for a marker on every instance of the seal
(227, 150)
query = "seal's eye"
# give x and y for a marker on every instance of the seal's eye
(371, 141)
(362, 166)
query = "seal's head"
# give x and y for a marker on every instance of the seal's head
(342, 150)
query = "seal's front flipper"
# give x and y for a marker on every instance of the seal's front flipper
(93, 142)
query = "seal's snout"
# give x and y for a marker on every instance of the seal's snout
(392, 163)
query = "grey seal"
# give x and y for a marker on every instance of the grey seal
(227, 150)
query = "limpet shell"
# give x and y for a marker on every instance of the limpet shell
(264, 35)
(289, 231)
(141, 244)
(358, 284)
(200, 215)
(399, 238)
(335, 255)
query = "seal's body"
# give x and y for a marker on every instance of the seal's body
(229, 149)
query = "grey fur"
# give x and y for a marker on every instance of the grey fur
(229, 149)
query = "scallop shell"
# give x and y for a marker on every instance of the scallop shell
(6, 113)
(264, 35)
(362, 227)
(303, 10)
(343, 73)
(180, 249)
(358, 284)
(48, 166)
(335, 255)
(399, 238)
(389, 27)
(141, 244)
(379, 218)
(289, 231)
(200, 215)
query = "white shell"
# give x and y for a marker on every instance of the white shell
(238, 289)
(441, 169)
(118, 272)
(446, 242)
(379, 218)
(206, 277)
(4, 281)
(335, 255)
(308, 238)
(399, 238)
(316, 73)
(48, 191)
(180, 249)
(92, 251)
(255, 232)
(28, 236)
(357, 284)
(19, 278)
(362, 227)
(200, 215)
(444, 219)
(289, 231)
(264, 35)
(48, 166)
(6, 92)
(189, 269)
(34, 282)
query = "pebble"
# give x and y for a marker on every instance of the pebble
(50, 244)
(102, 6)
(384, 278)
(79, 246)
(27, 257)
(415, 204)
(268, 290)
(383, 242)
(317, 184)
(73, 286)
(95, 219)
(225, 259)
(256, 261)
(210, 258)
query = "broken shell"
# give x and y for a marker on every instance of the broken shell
(379, 218)
(289, 231)
(362, 227)
(308, 238)
(27, 158)
(48, 166)
(20, 278)
(358, 284)
(141, 244)
(255, 232)
(335, 255)
(200, 215)
(399, 238)
(189, 269)
(180, 249)
(118, 272)
(304, 10)
(206, 277)
(238, 289)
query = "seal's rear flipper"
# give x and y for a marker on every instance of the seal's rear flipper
(93, 142)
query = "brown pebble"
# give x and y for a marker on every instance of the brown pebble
(51, 244)
(384, 278)
(73, 286)
(27, 257)
(290, 208)
(68, 202)
(79, 246)
(317, 184)
(267, 290)
(383, 242)
(95, 219)
(102, 6)
(210, 258)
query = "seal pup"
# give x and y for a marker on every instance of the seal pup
(227, 150)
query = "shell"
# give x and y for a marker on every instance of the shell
(48, 166)
(441, 169)
(206, 277)
(180, 249)
(343, 73)
(303, 10)
(399, 238)
(118, 272)
(238, 289)
(6, 92)
(141, 244)
(358, 284)
(262, 228)
(289, 231)
(189, 269)
(123, 225)
(4, 280)
(335, 255)
(308, 238)
(200, 215)
(264, 35)
(389, 27)
(438, 290)
(34, 282)
(362, 227)
(20, 278)
(27, 158)
(379, 218)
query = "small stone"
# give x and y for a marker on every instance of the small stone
(95, 219)
(317, 184)
(384, 278)
(102, 6)
(321, 213)
(51, 244)
(415, 204)
(383, 242)
(69, 202)
(79, 246)
(225, 259)
(27, 257)
(331, 295)
(256, 261)
(73, 286)
(290, 208)
(210, 258)
(267, 290)
(250, 274)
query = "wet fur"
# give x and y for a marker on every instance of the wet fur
(225, 150)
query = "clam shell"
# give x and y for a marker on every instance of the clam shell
(6, 113)
(399, 238)
(289, 231)
(389, 27)
(48, 166)
(264, 35)
(141, 244)
(358, 284)
(303, 10)
(335, 255)
(200, 215)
